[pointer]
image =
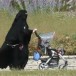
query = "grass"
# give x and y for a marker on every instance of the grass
(39, 73)
(63, 23)
(5, 24)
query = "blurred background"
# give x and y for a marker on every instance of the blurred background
(57, 16)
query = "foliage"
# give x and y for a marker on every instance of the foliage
(39, 73)
(17, 5)
(68, 43)
(23, 4)
(14, 4)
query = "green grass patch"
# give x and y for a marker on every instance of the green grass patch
(39, 73)
(61, 23)
(5, 23)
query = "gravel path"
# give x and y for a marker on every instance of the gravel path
(32, 64)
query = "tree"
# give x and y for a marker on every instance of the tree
(17, 5)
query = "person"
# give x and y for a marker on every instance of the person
(41, 48)
(14, 51)
(39, 38)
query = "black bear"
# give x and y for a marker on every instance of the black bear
(14, 51)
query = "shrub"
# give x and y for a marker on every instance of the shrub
(67, 42)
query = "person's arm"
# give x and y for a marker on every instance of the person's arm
(37, 35)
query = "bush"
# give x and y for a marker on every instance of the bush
(67, 42)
